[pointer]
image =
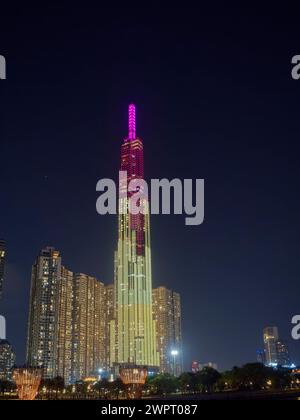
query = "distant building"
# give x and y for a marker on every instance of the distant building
(270, 339)
(276, 350)
(167, 314)
(2, 265)
(260, 356)
(199, 366)
(7, 360)
(283, 355)
(195, 367)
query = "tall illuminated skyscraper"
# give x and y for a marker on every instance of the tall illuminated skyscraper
(133, 330)
(2, 262)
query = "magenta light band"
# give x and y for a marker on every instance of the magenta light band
(131, 122)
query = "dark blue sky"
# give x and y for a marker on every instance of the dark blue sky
(215, 100)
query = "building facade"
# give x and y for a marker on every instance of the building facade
(7, 360)
(67, 320)
(2, 265)
(109, 317)
(43, 312)
(89, 354)
(167, 314)
(276, 350)
(283, 354)
(133, 329)
(270, 339)
(64, 337)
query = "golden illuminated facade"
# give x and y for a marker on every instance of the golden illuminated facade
(109, 317)
(167, 313)
(89, 354)
(133, 331)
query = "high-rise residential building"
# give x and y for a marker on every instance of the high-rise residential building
(270, 339)
(7, 360)
(167, 313)
(42, 327)
(65, 324)
(67, 320)
(2, 265)
(89, 354)
(133, 330)
(109, 317)
(50, 324)
(283, 355)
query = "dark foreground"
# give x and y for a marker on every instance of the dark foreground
(235, 396)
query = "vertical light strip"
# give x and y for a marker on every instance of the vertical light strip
(131, 122)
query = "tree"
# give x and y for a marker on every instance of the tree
(116, 388)
(165, 384)
(254, 376)
(101, 388)
(188, 382)
(6, 386)
(207, 379)
(58, 385)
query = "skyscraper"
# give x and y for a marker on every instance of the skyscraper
(276, 350)
(42, 327)
(133, 330)
(283, 354)
(2, 263)
(270, 339)
(67, 315)
(64, 316)
(167, 313)
(89, 353)
(50, 323)
(7, 360)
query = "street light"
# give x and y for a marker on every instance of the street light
(174, 353)
(100, 371)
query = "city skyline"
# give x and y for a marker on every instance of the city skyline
(217, 101)
(78, 327)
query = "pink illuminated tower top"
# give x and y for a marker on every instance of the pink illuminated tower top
(131, 122)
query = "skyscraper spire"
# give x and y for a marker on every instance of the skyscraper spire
(131, 122)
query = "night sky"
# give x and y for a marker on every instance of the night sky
(215, 100)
